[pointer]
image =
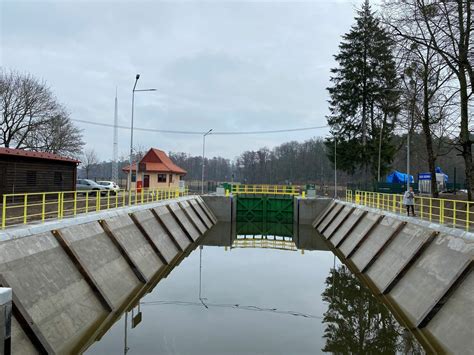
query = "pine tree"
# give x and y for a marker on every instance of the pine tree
(363, 97)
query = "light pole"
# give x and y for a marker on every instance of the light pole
(129, 180)
(203, 155)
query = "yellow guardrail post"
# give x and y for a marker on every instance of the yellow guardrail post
(431, 208)
(59, 206)
(43, 206)
(97, 201)
(4, 211)
(303, 194)
(75, 203)
(62, 205)
(421, 207)
(468, 211)
(441, 213)
(87, 201)
(454, 213)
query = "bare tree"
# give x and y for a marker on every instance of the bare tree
(89, 159)
(446, 28)
(57, 135)
(25, 104)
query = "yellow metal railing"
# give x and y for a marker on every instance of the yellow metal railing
(266, 189)
(23, 208)
(453, 213)
(265, 244)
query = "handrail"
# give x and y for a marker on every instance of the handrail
(23, 208)
(452, 213)
(266, 189)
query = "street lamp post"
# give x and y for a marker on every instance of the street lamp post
(129, 180)
(203, 156)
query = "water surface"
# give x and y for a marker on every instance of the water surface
(228, 298)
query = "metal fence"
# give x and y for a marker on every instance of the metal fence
(23, 208)
(452, 213)
(266, 189)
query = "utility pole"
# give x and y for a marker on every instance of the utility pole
(115, 148)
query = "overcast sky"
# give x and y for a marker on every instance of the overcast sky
(229, 66)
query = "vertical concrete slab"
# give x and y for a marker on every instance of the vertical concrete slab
(193, 216)
(452, 326)
(336, 223)
(20, 342)
(359, 232)
(307, 209)
(349, 224)
(172, 227)
(217, 208)
(431, 276)
(101, 258)
(133, 241)
(198, 209)
(324, 213)
(157, 234)
(375, 241)
(329, 218)
(397, 256)
(51, 289)
(184, 221)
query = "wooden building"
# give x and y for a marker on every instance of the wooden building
(156, 170)
(28, 171)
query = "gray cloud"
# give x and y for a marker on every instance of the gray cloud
(222, 65)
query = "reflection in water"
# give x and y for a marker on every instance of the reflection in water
(228, 300)
(359, 324)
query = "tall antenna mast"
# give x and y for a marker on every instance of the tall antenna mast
(115, 157)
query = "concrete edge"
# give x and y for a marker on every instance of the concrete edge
(468, 236)
(31, 229)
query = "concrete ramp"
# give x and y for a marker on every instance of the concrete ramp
(135, 245)
(102, 260)
(193, 216)
(421, 271)
(71, 279)
(56, 303)
(201, 213)
(170, 224)
(184, 221)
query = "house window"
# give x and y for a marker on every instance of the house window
(31, 178)
(58, 178)
(171, 178)
(161, 177)
(134, 176)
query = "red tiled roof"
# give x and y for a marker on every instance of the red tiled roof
(156, 160)
(32, 154)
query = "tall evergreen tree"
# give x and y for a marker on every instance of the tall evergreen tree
(363, 97)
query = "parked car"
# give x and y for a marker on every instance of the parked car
(110, 185)
(90, 185)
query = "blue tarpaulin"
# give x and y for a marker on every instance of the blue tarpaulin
(397, 177)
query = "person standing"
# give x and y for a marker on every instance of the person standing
(409, 201)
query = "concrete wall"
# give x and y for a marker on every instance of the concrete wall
(421, 271)
(71, 279)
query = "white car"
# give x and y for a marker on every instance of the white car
(110, 186)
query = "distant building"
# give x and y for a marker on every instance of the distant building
(28, 171)
(155, 170)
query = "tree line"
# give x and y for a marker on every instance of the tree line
(290, 162)
(404, 71)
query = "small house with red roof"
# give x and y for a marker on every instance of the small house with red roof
(155, 170)
(28, 171)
